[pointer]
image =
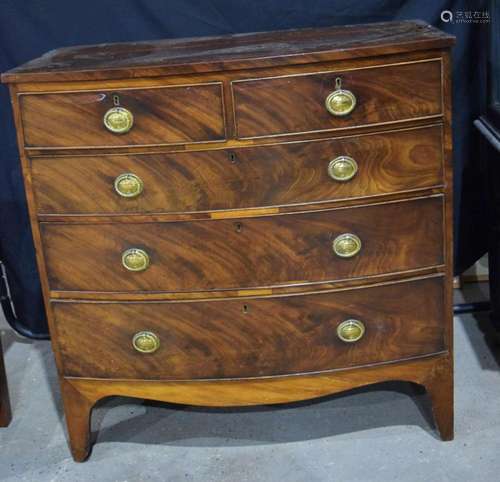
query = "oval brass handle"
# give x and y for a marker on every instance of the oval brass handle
(342, 168)
(118, 120)
(128, 185)
(346, 245)
(146, 342)
(340, 102)
(135, 259)
(351, 330)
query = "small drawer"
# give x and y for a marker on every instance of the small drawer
(253, 337)
(323, 101)
(127, 117)
(276, 250)
(293, 173)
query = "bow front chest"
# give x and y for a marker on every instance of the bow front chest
(241, 220)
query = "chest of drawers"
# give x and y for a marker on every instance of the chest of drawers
(242, 220)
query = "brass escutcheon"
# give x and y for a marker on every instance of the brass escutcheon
(146, 342)
(135, 259)
(346, 245)
(128, 185)
(342, 168)
(351, 330)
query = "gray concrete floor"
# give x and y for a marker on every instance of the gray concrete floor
(383, 433)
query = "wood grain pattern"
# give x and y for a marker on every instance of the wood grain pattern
(235, 214)
(229, 52)
(78, 409)
(291, 173)
(252, 338)
(434, 373)
(266, 251)
(224, 77)
(249, 293)
(170, 115)
(292, 104)
(5, 411)
(443, 406)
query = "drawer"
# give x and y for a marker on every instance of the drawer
(167, 115)
(292, 173)
(249, 252)
(294, 104)
(253, 337)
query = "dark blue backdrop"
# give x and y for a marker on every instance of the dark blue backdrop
(29, 28)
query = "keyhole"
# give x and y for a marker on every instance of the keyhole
(238, 227)
(233, 158)
(245, 309)
(116, 100)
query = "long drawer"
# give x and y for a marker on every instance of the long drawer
(254, 337)
(153, 116)
(249, 252)
(293, 104)
(292, 173)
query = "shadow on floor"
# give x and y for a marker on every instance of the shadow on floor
(358, 410)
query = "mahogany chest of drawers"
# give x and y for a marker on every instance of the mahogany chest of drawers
(243, 220)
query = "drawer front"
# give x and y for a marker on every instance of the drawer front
(241, 178)
(254, 337)
(296, 103)
(169, 115)
(250, 252)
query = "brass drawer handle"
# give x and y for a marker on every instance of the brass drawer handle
(135, 259)
(340, 102)
(342, 168)
(346, 245)
(118, 120)
(351, 331)
(128, 185)
(146, 342)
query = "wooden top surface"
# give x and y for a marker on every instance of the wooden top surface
(229, 52)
